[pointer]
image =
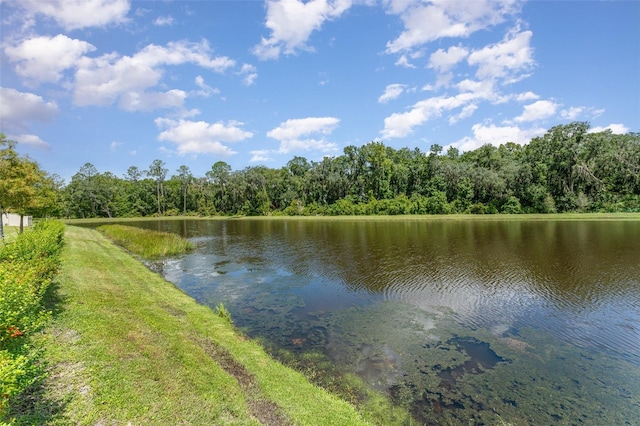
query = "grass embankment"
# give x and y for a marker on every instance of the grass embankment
(389, 218)
(127, 347)
(146, 243)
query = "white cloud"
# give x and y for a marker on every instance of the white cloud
(74, 14)
(403, 61)
(496, 135)
(113, 147)
(149, 101)
(399, 125)
(506, 59)
(428, 21)
(102, 80)
(200, 137)
(572, 113)
(527, 96)
(466, 112)
(616, 128)
(163, 21)
(19, 108)
(392, 91)
(294, 134)
(291, 23)
(443, 61)
(260, 156)
(249, 72)
(538, 110)
(205, 90)
(43, 59)
(30, 140)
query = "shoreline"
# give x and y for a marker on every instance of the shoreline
(125, 345)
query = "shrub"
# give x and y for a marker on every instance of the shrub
(512, 206)
(27, 268)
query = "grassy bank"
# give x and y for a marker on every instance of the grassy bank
(443, 217)
(126, 347)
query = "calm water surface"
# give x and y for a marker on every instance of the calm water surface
(492, 322)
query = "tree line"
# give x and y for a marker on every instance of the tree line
(567, 169)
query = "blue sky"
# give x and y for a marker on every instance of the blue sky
(118, 83)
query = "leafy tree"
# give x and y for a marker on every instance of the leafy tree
(566, 169)
(24, 187)
(158, 172)
(219, 175)
(185, 176)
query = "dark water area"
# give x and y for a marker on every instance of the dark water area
(488, 322)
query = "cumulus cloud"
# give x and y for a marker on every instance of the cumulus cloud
(33, 141)
(392, 91)
(205, 89)
(43, 59)
(403, 61)
(295, 134)
(18, 110)
(444, 60)
(249, 74)
(73, 14)
(149, 101)
(466, 112)
(399, 125)
(527, 96)
(538, 110)
(200, 137)
(291, 23)
(509, 59)
(572, 113)
(616, 128)
(497, 64)
(428, 21)
(21, 108)
(103, 80)
(496, 135)
(260, 156)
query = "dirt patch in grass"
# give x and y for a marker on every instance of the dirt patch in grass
(266, 411)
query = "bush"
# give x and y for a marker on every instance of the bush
(27, 269)
(512, 206)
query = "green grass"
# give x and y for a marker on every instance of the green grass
(444, 217)
(459, 217)
(146, 243)
(127, 347)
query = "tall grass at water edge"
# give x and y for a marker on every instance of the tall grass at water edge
(146, 243)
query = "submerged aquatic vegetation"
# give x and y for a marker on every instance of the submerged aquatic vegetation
(146, 243)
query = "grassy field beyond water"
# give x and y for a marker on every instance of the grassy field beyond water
(127, 347)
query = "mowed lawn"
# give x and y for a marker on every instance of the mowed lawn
(127, 347)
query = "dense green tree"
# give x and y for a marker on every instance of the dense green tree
(567, 169)
(158, 172)
(185, 177)
(24, 188)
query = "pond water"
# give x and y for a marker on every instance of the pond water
(458, 321)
